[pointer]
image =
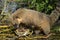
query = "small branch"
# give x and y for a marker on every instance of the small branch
(5, 4)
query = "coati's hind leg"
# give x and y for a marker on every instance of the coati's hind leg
(46, 28)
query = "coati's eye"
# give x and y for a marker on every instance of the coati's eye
(16, 17)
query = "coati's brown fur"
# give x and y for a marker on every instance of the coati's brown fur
(38, 19)
(31, 17)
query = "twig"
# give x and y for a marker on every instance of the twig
(5, 4)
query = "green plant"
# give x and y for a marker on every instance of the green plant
(43, 5)
(40, 5)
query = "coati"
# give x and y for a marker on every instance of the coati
(38, 19)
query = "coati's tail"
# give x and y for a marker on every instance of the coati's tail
(55, 15)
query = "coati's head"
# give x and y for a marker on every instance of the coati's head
(14, 20)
